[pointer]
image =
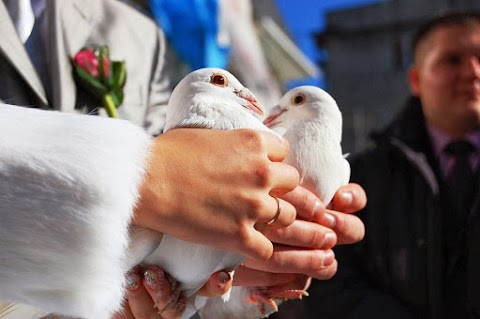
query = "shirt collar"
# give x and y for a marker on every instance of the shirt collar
(38, 6)
(441, 139)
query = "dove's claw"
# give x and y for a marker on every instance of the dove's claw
(266, 298)
(266, 305)
(169, 296)
(288, 294)
(175, 292)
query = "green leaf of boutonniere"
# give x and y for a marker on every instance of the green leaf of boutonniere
(101, 77)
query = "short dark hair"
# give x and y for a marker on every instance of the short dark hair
(450, 18)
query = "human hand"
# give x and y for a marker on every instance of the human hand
(199, 188)
(151, 293)
(302, 251)
(347, 200)
(305, 247)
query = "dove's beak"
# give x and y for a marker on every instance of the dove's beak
(272, 119)
(252, 104)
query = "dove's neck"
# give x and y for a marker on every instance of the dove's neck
(316, 131)
(220, 119)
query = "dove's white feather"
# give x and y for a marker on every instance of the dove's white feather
(313, 126)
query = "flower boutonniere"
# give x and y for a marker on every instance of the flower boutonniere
(100, 76)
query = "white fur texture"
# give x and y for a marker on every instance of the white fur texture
(68, 184)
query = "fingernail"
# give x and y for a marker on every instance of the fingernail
(318, 208)
(223, 278)
(151, 279)
(132, 280)
(347, 197)
(329, 220)
(328, 258)
(329, 240)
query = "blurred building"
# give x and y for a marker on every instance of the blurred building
(368, 55)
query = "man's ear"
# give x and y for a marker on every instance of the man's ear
(414, 80)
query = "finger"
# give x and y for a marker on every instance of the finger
(250, 277)
(283, 178)
(125, 313)
(218, 285)
(309, 207)
(315, 263)
(158, 286)
(306, 203)
(166, 293)
(349, 198)
(349, 228)
(303, 234)
(254, 244)
(277, 146)
(140, 304)
(285, 214)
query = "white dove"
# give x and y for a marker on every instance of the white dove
(312, 124)
(313, 127)
(206, 98)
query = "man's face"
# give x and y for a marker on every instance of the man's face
(446, 77)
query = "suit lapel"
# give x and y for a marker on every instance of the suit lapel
(15, 52)
(71, 24)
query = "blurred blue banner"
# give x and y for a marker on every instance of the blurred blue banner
(191, 27)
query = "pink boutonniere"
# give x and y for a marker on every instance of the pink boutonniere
(101, 76)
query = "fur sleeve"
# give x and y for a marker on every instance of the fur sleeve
(68, 184)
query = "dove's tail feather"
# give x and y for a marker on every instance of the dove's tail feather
(346, 155)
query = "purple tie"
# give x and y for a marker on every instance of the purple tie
(461, 185)
(461, 188)
(461, 179)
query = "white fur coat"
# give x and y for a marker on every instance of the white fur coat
(68, 184)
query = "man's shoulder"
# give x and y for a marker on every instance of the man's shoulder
(129, 10)
(371, 154)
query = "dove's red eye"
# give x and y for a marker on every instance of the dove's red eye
(219, 79)
(298, 99)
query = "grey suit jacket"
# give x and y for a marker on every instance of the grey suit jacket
(70, 26)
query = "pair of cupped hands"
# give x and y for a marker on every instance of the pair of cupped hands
(195, 176)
